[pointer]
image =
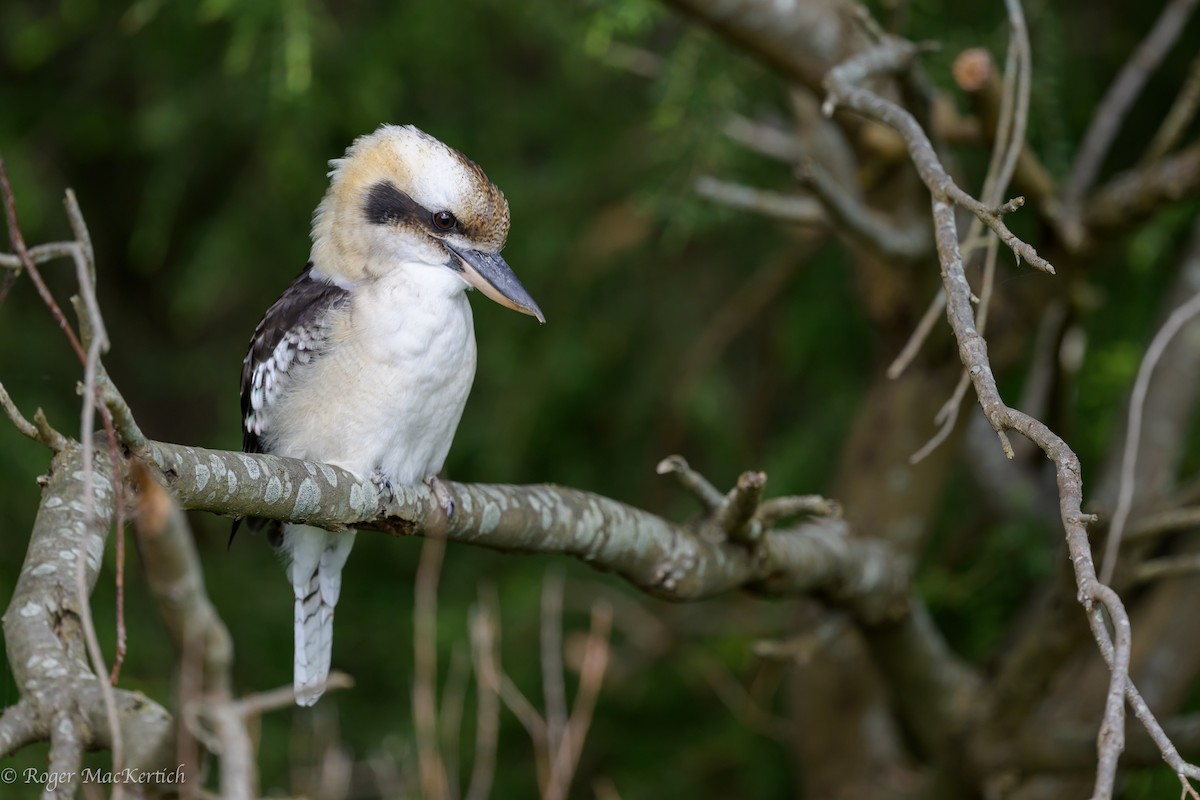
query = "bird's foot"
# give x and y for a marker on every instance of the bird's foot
(384, 484)
(442, 494)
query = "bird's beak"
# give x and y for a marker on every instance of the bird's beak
(491, 274)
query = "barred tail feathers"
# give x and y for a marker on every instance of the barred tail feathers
(316, 560)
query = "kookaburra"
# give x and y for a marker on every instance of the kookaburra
(366, 360)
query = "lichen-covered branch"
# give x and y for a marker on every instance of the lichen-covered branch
(60, 694)
(677, 562)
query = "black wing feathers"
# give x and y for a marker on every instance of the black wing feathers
(295, 318)
(300, 305)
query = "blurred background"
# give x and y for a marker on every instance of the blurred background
(196, 135)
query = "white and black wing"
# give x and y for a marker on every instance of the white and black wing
(292, 333)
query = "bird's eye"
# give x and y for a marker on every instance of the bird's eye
(444, 220)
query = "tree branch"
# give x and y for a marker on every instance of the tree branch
(677, 562)
(1134, 196)
(19, 726)
(890, 55)
(788, 207)
(44, 639)
(893, 55)
(1111, 111)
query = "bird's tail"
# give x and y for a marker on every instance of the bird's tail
(317, 557)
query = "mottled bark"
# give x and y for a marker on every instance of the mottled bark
(60, 694)
(670, 560)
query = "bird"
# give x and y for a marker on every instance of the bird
(366, 360)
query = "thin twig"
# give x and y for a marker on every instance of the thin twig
(591, 675)
(1121, 94)
(893, 55)
(484, 635)
(1176, 123)
(1133, 428)
(734, 696)
(1009, 142)
(918, 337)
(708, 495)
(18, 245)
(89, 359)
(259, 703)
(762, 138)
(432, 768)
(95, 339)
(1135, 195)
(16, 417)
(777, 508)
(861, 224)
(532, 722)
(450, 716)
(946, 417)
(1163, 522)
(1166, 567)
(790, 207)
(554, 690)
(737, 513)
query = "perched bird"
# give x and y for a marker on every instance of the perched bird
(366, 360)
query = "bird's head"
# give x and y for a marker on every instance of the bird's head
(401, 196)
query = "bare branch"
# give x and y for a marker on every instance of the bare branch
(1180, 317)
(1133, 196)
(918, 337)
(861, 224)
(173, 574)
(284, 697)
(708, 495)
(487, 709)
(890, 56)
(1166, 567)
(1182, 112)
(1163, 522)
(18, 245)
(19, 726)
(554, 690)
(737, 514)
(14, 415)
(778, 508)
(658, 556)
(762, 138)
(595, 662)
(1119, 98)
(1094, 595)
(789, 207)
(800, 40)
(44, 640)
(434, 780)
(95, 340)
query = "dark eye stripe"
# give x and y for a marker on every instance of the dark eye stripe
(386, 205)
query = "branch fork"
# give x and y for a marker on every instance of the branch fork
(741, 514)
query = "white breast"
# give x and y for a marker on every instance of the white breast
(389, 393)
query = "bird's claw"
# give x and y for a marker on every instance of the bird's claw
(384, 484)
(445, 501)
